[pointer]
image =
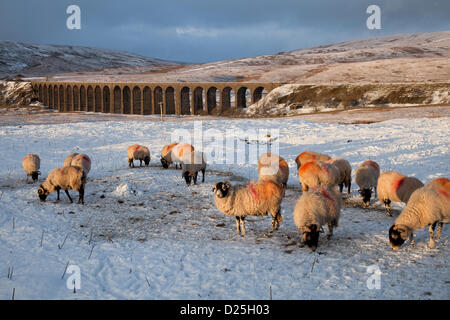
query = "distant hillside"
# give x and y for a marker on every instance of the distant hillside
(35, 59)
(418, 57)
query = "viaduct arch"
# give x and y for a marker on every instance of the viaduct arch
(179, 98)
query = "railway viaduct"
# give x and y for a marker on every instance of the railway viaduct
(178, 98)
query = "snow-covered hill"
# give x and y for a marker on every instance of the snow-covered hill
(37, 59)
(418, 57)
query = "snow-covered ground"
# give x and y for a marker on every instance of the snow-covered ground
(143, 234)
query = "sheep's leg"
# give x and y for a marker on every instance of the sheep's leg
(341, 187)
(243, 226)
(431, 232)
(387, 204)
(238, 228)
(140, 163)
(349, 184)
(81, 195)
(57, 192)
(411, 238)
(330, 230)
(275, 221)
(439, 230)
(203, 175)
(375, 189)
(195, 178)
(68, 196)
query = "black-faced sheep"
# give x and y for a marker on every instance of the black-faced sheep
(138, 152)
(314, 209)
(344, 173)
(67, 178)
(394, 186)
(273, 167)
(366, 177)
(254, 199)
(317, 174)
(31, 164)
(191, 164)
(427, 206)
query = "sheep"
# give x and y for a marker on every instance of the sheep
(439, 184)
(66, 178)
(394, 186)
(173, 153)
(69, 158)
(191, 164)
(256, 198)
(317, 174)
(31, 164)
(315, 208)
(344, 173)
(427, 206)
(366, 177)
(308, 156)
(138, 152)
(83, 161)
(273, 167)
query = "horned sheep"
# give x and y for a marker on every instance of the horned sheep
(67, 178)
(366, 177)
(138, 152)
(31, 164)
(427, 206)
(256, 198)
(191, 164)
(314, 209)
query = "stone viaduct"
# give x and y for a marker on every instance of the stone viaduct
(179, 98)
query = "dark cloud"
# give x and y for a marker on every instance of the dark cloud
(209, 30)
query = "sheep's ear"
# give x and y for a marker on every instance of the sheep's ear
(214, 187)
(227, 184)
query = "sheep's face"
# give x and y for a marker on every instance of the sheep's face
(164, 163)
(42, 193)
(147, 160)
(35, 175)
(221, 189)
(310, 236)
(365, 194)
(188, 177)
(397, 236)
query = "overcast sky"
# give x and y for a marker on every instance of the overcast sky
(212, 30)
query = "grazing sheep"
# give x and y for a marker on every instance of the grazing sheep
(83, 161)
(344, 173)
(427, 206)
(273, 167)
(394, 186)
(67, 178)
(69, 158)
(174, 154)
(254, 199)
(138, 152)
(314, 209)
(308, 156)
(366, 177)
(317, 174)
(191, 164)
(31, 164)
